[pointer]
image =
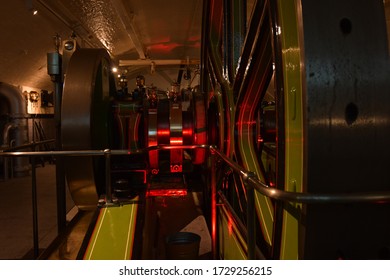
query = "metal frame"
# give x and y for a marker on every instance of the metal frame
(252, 183)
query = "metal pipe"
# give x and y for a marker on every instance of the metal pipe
(56, 153)
(15, 148)
(157, 62)
(18, 115)
(6, 131)
(101, 152)
(6, 144)
(54, 69)
(274, 193)
(17, 104)
(26, 146)
(107, 156)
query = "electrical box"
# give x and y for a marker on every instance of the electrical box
(40, 102)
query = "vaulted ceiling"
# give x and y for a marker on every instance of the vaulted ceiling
(130, 30)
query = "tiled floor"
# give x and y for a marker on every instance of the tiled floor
(69, 246)
(16, 214)
(16, 219)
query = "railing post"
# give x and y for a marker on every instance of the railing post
(250, 217)
(34, 207)
(107, 157)
(54, 69)
(213, 205)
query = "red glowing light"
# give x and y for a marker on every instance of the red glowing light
(245, 123)
(167, 192)
(176, 168)
(163, 132)
(194, 38)
(153, 161)
(187, 132)
(176, 141)
(230, 226)
(381, 202)
(164, 47)
(144, 174)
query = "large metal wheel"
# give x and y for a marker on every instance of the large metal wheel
(347, 126)
(302, 94)
(85, 122)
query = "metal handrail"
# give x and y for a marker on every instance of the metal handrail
(271, 192)
(274, 193)
(250, 180)
(253, 183)
(33, 187)
(101, 152)
(28, 145)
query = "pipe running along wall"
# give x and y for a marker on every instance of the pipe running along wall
(16, 126)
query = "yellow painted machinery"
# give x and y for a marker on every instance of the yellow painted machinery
(296, 93)
(95, 116)
(300, 97)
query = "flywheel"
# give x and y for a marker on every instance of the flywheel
(85, 117)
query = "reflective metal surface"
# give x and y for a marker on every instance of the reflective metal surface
(84, 117)
(348, 125)
(274, 193)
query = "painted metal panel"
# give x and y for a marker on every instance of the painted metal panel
(113, 235)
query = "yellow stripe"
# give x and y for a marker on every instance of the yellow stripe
(113, 237)
(97, 232)
(128, 245)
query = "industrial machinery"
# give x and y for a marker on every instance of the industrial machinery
(300, 92)
(96, 116)
(283, 144)
(296, 94)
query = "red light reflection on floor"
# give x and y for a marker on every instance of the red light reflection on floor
(167, 192)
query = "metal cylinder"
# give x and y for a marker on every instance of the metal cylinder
(84, 125)
(53, 63)
(182, 246)
(17, 112)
